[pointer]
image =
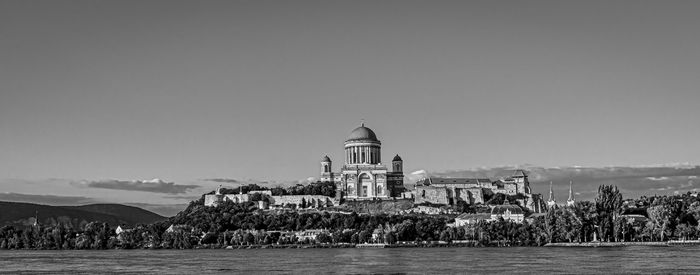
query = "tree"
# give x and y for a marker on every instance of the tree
(608, 205)
(323, 237)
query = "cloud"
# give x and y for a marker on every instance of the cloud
(46, 199)
(223, 180)
(686, 185)
(154, 186)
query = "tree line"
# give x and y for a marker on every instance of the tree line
(608, 217)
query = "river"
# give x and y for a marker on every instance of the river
(357, 260)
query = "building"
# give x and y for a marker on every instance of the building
(450, 191)
(508, 211)
(217, 198)
(467, 218)
(363, 175)
(310, 234)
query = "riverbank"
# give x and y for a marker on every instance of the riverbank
(367, 245)
(619, 244)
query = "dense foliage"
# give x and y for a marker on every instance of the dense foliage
(664, 218)
(314, 188)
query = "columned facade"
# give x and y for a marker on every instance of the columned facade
(363, 175)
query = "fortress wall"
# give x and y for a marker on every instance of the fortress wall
(212, 200)
(296, 199)
(436, 195)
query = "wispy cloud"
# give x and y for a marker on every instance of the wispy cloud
(46, 199)
(223, 180)
(154, 185)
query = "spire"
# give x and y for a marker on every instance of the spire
(362, 122)
(552, 202)
(36, 218)
(571, 200)
(551, 192)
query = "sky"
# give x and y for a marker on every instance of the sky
(98, 98)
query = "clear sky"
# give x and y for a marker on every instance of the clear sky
(189, 90)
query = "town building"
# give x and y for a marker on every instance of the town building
(508, 211)
(363, 174)
(217, 198)
(470, 218)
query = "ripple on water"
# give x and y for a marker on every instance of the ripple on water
(350, 260)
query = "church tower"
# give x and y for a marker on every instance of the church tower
(552, 202)
(326, 174)
(395, 177)
(571, 201)
(397, 164)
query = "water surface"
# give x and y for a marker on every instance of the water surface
(356, 260)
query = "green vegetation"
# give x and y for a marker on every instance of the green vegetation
(314, 188)
(663, 218)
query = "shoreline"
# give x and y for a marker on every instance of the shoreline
(471, 244)
(622, 244)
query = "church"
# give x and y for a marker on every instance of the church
(363, 176)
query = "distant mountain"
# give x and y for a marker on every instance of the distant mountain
(18, 213)
(133, 214)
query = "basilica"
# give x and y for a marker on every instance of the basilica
(363, 175)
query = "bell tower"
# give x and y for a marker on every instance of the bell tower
(397, 164)
(326, 168)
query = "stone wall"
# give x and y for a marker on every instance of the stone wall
(507, 188)
(472, 195)
(430, 194)
(212, 200)
(215, 200)
(311, 200)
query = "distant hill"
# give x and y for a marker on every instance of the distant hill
(133, 214)
(18, 213)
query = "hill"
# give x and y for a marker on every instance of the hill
(18, 213)
(133, 214)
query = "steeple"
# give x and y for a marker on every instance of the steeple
(571, 201)
(552, 202)
(36, 218)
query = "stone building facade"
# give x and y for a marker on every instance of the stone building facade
(363, 175)
(310, 200)
(217, 198)
(472, 190)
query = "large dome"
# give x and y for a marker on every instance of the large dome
(362, 133)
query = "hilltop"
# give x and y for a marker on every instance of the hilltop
(18, 213)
